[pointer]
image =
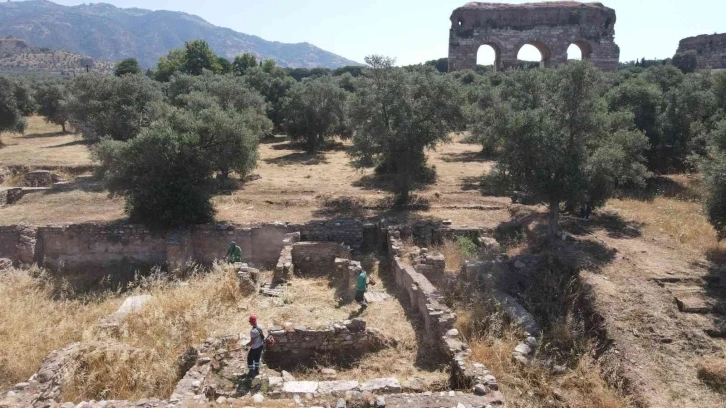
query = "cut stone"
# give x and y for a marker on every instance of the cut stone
(693, 304)
(387, 385)
(337, 388)
(300, 387)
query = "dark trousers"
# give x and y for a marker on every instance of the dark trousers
(360, 298)
(253, 358)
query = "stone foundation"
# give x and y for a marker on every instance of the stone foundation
(91, 251)
(347, 339)
(439, 322)
(317, 258)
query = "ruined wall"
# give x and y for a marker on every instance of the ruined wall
(98, 248)
(551, 27)
(349, 338)
(260, 245)
(317, 258)
(711, 50)
(422, 294)
(91, 247)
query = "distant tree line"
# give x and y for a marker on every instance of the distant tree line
(569, 138)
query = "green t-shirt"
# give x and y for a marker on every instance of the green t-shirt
(362, 284)
(235, 253)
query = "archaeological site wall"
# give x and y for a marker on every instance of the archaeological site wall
(711, 50)
(549, 26)
(92, 251)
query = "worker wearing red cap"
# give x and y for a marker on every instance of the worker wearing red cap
(256, 344)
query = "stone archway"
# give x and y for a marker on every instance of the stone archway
(551, 27)
(544, 52)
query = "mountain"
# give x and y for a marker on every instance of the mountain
(17, 56)
(107, 32)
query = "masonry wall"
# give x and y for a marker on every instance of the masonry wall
(103, 248)
(550, 27)
(9, 238)
(317, 258)
(347, 339)
(711, 50)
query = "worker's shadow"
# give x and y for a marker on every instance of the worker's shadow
(356, 313)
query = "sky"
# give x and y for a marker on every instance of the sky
(414, 31)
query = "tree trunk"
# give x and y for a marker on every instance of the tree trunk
(553, 220)
(63, 126)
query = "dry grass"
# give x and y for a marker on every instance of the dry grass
(536, 386)
(676, 211)
(713, 373)
(209, 304)
(455, 257)
(44, 144)
(32, 322)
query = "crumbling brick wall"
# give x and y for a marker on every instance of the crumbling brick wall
(711, 50)
(550, 26)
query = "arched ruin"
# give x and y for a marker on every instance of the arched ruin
(550, 27)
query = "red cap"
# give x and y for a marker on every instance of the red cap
(253, 319)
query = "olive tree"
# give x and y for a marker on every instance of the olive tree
(161, 174)
(314, 111)
(108, 106)
(563, 147)
(129, 66)
(51, 100)
(11, 115)
(397, 114)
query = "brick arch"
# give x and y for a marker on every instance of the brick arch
(549, 26)
(497, 46)
(585, 48)
(545, 51)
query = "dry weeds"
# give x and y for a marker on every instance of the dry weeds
(453, 254)
(536, 386)
(32, 322)
(713, 373)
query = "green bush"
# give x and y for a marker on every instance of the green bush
(467, 246)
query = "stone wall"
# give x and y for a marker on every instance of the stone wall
(551, 27)
(347, 339)
(711, 50)
(100, 248)
(317, 258)
(422, 294)
(439, 321)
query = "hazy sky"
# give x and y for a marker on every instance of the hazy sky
(414, 31)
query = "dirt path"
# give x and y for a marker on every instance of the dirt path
(661, 346)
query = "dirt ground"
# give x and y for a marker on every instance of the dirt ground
(289, 185)
(635, 290)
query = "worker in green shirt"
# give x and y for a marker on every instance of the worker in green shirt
(360, 289)
(234, 253)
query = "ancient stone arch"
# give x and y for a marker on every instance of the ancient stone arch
(551, 27)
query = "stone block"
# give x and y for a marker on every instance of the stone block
(381, 385)
(337, 388)
(300, 387)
